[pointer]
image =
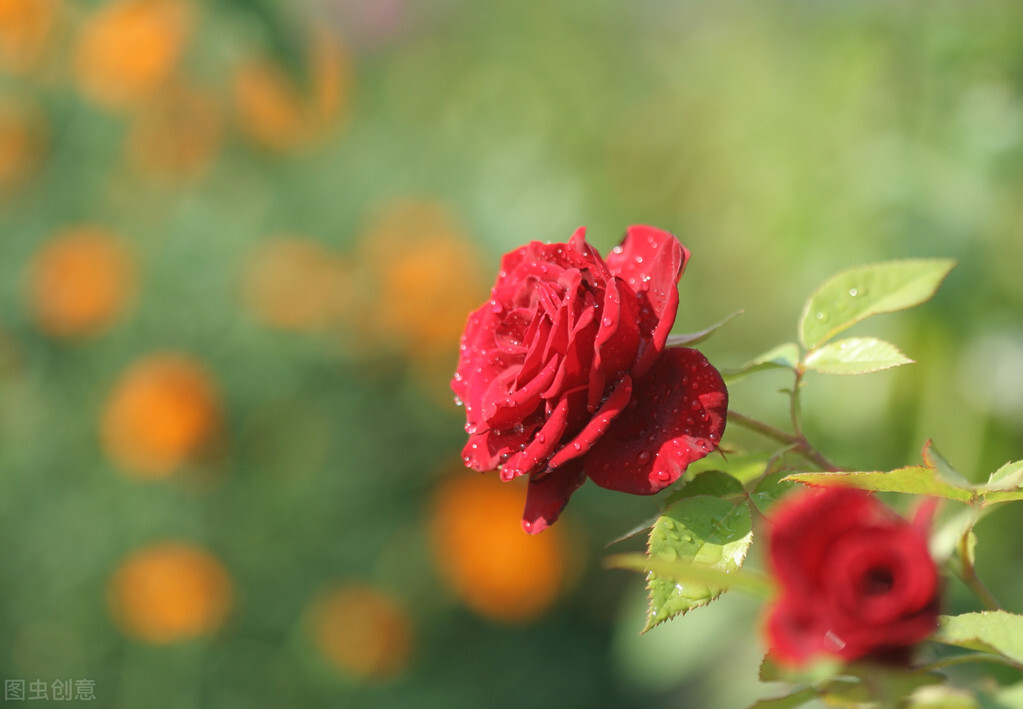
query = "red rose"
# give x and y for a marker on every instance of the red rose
(564, 374)
(856, 579)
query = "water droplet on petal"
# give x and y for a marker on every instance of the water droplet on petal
(607, 322)
(644, 456)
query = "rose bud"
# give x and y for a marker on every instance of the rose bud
(856, 580)
(564, 373)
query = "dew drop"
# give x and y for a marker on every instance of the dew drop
(541, 438)
(662, 475)
(644, 456)
(607, 322)
(853, 292)
(458, 402)
(821, 316)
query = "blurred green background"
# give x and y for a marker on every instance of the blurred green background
(238, 241)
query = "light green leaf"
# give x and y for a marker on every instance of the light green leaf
(855, 355)
(1000, 632)
(936, 696)
(751, 582)
(914, 480)
(700, 531)
(857, 293)
(784, 356)
(1010, 697)
(789, 701)
(943, 468)
(1004, 485)
(692, 338)
(945, 539)
(1007, 477)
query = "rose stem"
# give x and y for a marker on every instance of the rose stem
(799, 443)
(968, 575)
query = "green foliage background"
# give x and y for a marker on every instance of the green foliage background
(781, 141)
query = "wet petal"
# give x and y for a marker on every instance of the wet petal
(504, 412)
(596, 427)
(676, 416)
(651, 261)
(546, 497)
(534, 456)
(617, 340)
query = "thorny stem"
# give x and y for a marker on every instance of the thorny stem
(968, 575)
(798, 443)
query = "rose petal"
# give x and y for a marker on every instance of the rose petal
(546, 497)
(651, 261)
(596, 426)
(516, 405)
(485, 449)
(804, 528)
(617, 340)
(535, 454)
(676, 416)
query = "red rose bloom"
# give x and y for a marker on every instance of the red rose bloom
(856, 579)
(564, 373)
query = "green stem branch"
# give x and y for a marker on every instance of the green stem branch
(798, 443)
(968, 575)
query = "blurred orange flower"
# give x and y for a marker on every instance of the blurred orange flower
(25, 28)
(161, 414)
(295, 283)
(22, 142)
(176, 134)
(361, 631)
(169, 592)
(129, 48)
(277, 113)
(425, 277)
(480, 550)
(80, 282)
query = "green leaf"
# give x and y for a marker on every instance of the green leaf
(942, 467)
(784, 356)
(692, 338)
(944, 540)
(1004, 485)
(699, 531)
(855, 355)
(857, 293)
(715, 483)
(1010, 697)
(914, 480)
(941, 697)
(635, 531)
(1000, 632)
(769, 490)
(1007, 477)
(789, 701)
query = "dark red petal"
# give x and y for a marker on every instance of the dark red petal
(534, 456)
(651, 261)
(546, 497)
(505, 409)
(596, 426)
(676, 416)
(485, 449)
(617, 340)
